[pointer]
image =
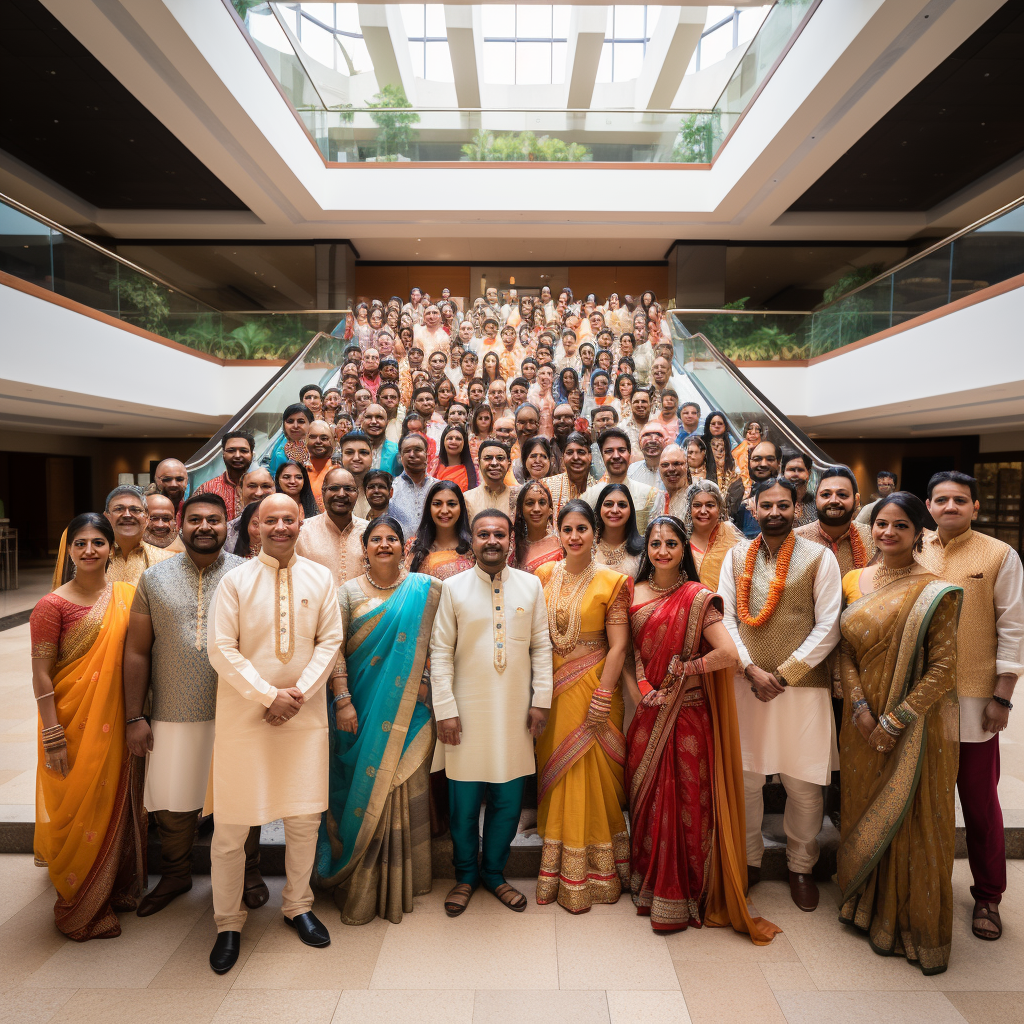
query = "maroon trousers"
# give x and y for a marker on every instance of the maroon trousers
(977, 780)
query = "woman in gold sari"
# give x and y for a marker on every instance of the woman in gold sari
(899, 745)
(374, 845)
(581, 754)
(709, 529)
(89, 831)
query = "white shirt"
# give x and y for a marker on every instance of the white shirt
(793, 733)
(643, 474)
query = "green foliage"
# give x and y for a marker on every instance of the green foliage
(843, 320)
(698, 135)
(852, 280)
(141, 301)
(242, 7)
(269, 337)
(394, 127)
(750, 337)
(524, 146)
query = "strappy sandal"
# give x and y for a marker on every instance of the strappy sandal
(516, 900)
(454, 907)
(985, 911)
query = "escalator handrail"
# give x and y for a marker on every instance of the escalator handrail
(791, 434)
(134, 267)
(211, 449)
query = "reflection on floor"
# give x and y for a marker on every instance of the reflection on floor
(493, 965)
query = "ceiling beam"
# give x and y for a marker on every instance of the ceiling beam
(384, 34)
(673, 42)
(587, 27)
(465, 44)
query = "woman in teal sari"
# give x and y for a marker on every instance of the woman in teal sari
(374, 845)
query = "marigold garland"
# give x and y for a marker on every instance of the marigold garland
(775, 588)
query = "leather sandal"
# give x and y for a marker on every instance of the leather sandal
(516, 900)
(462, 893)
(986, 911)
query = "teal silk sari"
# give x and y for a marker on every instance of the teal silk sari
(386, 652)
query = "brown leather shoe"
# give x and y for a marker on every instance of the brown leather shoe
(155, 901)
(804, 891)
(255, 893)
(753, 875)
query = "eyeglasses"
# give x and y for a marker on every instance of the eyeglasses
(132, 510)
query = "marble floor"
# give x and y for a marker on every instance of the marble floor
(490, 965)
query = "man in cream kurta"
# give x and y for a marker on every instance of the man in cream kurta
(783, 685)
(335, 539)
(491, 683)
(274, 636)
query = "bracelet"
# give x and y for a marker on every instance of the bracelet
(859, 707)
(45, 695)
(890, 725)
(52, 730)
(1003, 702)
(132, 721)
(904, 714)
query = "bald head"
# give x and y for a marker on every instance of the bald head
(504, 429)
(672, 467)
(256, 484)
(171, 479)
(280, 519)
(162, 527)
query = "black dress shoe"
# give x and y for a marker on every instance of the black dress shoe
(224, 954)
(310, 929)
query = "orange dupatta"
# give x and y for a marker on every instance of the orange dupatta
(84, 821)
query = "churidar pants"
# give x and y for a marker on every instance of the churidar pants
(805, 807)
(227, 869)
(977, 781)
(501, 819)
(177, 831)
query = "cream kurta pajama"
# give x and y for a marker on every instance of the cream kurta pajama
(793, 734)
(271, 626)
(341, 551)
(490, 662)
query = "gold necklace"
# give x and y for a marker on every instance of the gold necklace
(612, 555)
(884, 575)
(565, 611)
(666, 590)
(377, 586)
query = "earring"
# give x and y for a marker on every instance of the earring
(366, 564)
(401, 564)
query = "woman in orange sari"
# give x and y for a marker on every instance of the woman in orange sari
(534, 540)
(581, 753)
(684, 773)
(89, 818)
(454, 459)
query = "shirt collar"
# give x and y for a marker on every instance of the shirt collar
(486, 577)
(274, 563)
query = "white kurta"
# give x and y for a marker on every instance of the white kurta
(479, 622)
(272, 627)
(795, 732)
(178, 766)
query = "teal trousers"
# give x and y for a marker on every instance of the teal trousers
(501, 819)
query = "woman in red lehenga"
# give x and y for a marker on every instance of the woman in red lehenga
(684, 774)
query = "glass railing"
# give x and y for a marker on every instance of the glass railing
(724, 388)
(317, 363)
(983, 254)
(42, 252)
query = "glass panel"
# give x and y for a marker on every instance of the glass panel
(653, 17)
(412, 18)
(629, 22)
(435, 20)
(604, 67)
(629, 59)
(533, 63)
(25, 247)
(286, 67)
(921, 287)
(322, 12)
(498, 20)
(751, 19)
(416, 55)
(533, 22)
(715, 45)
(500, 63)
(558, 57)
(318, 43)
(560, 21)
(439, 63)
(348, 18)
(358, 55)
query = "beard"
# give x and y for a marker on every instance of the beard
(840, 520)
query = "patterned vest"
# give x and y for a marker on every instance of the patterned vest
(971, 561)
(793, 619)
(184, 684)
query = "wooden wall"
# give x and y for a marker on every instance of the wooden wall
(381, 282)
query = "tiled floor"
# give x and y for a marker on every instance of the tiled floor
(32, 584)
(490, 965)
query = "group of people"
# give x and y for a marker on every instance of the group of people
(375, 665)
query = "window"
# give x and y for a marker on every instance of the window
(725, 29)
(330, 34)
(524, 44)
(625, 42)
(428, 41)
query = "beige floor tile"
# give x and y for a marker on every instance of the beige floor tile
(30, 1006)
(979, 966)
(188, 966)
(603, 953)
(484, 902)
(773, 901)
(726, 993)
(988, 1007)
(403, 1007)
(528, 1007)
(21, 789)
(134, 958)
(783, 977)
(280, 960)
(838, 958)
(154, 1006)
(313, 1006)
(647, 1008)
(877, 1007)
(22, 883)
(432, 952)
(726, 944)
(28, 940)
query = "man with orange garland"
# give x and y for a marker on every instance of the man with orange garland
(782, 596)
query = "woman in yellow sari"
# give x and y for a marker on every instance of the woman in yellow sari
(89, 830)
(899, 745)
(582, 752)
